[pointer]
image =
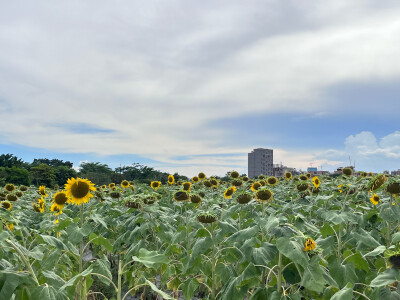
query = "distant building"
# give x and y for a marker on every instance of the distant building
(280, 170)
(312, 170)
(260, 161)
(396, 172)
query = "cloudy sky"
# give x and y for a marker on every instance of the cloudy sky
(193, 86)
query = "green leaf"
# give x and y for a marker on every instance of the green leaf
(293, 250)
(102, 266)
(396, 237)
(378, 250)
(326, 230)
(387, 277)
(313, 278)
(243, 234)
(359, 261)
(344, 294)
(264, 254)
(99, 240)
(161, 293)
(53, 241)
(47, 292)
(99, 220)
(72, 281)
(150, 259)
(53, 279)
(226, 227)
(271, 223)
(189, 287)
(37, 252)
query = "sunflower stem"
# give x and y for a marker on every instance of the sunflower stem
(279, 276)
(388, 235)
(119, 280)
(81, 250)
(213, 261)
(240, 217)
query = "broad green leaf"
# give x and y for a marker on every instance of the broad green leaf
(161, 293)
(47, 292)
(226, 227)
(243, 234)
(189, 287)
(53, 241)
(378, 250)
(102, 266)
(313, 278)
(72, 281)
(359, 261)
(99, 240)
(53, 279)
(150, 259)
(387, 277)
(344, 294)
(396, 237)
(293, 250)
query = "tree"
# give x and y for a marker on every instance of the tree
(96, 172)
(43, 175)
(14, 175)
(62, 173)
(9, 160)
(52, 162)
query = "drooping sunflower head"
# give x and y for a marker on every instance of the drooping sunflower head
(23, 188)
(103, 187)
(316, 182)
(375, 199)
(303, 186)
(244, 198)
(78, 190)
(255, 186)
(309, 245)
(245, 178)
(237, 182)
(264, 194)
(195, 179)
(6, 205)
(272, 180)
(11, 197)
(263, 182)
(171, 179)
(303, 177)
(206, 217)
(370, 174)
(207, 183)
(308, 174)
(115, 194)
(155, 184)
(202, 194)
(376, 182)
(196, 199)
(393, 188)
(201, 175)
(214, 182)
(347, 171)
(288, 175)
(111, 185)
(9, 187)
(125, 184)
(363, 174)
(187, 185)
(234, 174)
(181, 196)
(261, 177)
(19, 194)
(229, 192)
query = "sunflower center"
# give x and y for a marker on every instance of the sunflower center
(60, 198)
(79, 189)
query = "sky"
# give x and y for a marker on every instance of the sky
(188, 86)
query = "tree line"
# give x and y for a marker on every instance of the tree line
(52, 172)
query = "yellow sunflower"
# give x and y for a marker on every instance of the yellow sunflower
(310, 245)
(272, 180)
(255, 186)
(195, 179)
(78, 190)
(59, 200)
(6, 204)
(201, 175)
(57, 210)
(316, 182)
(111, 185)
(229, 192)
(171, 179)
(187, 185)
(288, 175)
(375, 199)
(42, 191)
(155, 184)
(125, 184)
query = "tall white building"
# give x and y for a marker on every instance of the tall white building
(260, 161)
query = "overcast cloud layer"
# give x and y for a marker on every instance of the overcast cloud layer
(150, 78)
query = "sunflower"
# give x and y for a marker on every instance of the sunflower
(244, 198)
(187, 185)
(255, 186)
(316, 182)
(309, 244)
(303, 177)
(6, 205)
(234, 174)
(78, 190)
(393, 188)
(376, 182)
(181, 196)
(196, 199)
(39, 207)
(237, 182)
(206, 217)
(10, 226)
(125, 184)
(201, 175)
(245, 178)
(42, 191)
(9, 187)
(375, 199)
(195, 179)
(11, 197)
(103, 187)
(263, 195)
(229, 192)
(56, 209)
(308, 175)
(347, 171)
(171, 179)
(23, 188)
(111, 185)
(272, 180)
(155, 184)
(214, 182)
(59, 200)
(207, 183)
(288, 175)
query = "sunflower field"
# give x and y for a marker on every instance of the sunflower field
(296, 237)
